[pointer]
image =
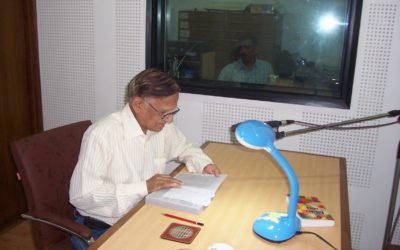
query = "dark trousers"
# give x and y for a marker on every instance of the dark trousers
(97, 227)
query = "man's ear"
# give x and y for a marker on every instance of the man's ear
(136, 103)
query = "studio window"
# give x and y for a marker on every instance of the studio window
(283, 51)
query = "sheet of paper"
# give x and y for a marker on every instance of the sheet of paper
(203, 181)
(196, 193)
(197, 188)
(190, 194)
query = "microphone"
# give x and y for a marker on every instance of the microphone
(273, 124)
(394, 113)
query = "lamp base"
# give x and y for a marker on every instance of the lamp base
(276, 226)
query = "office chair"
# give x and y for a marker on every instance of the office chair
(45, 163)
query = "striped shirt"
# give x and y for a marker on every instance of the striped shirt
(117, 158)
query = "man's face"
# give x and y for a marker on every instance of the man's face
(247, 51)
(153, 113)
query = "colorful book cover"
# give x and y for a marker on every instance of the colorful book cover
(312, 213)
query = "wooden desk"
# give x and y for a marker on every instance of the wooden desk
(255, 184)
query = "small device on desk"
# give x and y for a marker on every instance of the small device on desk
(180, 233)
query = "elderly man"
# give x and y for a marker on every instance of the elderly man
(123, 156)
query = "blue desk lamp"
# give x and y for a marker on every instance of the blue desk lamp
(279, 226)
(272, 226)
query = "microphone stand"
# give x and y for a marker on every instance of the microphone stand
(390, 224)
(282, 134)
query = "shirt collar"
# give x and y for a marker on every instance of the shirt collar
(130, 124)
(243, 67)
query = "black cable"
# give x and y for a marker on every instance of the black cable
(320, 237)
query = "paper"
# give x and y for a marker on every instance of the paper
(190, 194)
(203, 181)
(196, 193)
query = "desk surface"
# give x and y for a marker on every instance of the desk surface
(255, 185)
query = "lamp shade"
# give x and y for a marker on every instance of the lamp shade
(255, 134)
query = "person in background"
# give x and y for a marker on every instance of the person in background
(248, 68)
(123, 156)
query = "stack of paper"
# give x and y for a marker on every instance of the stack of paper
(194, 196)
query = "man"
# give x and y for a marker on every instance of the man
(247, 68)
(123, 156)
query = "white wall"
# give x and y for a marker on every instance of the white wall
(90, 49)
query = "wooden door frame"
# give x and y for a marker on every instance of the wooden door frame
(33, 70)
(21, 100)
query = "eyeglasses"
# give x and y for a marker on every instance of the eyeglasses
(163, 115)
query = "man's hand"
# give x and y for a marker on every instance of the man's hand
(161, 181)
(211, 169)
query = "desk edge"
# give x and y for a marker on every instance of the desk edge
(345, 210)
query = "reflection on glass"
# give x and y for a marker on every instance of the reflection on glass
(246, 67)
(289, 46)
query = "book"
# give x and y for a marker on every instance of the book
(312, 213)
(193, 197)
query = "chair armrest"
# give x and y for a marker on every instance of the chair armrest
(66, 225)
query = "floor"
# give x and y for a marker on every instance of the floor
(17, 236)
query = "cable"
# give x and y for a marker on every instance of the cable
(320, 237)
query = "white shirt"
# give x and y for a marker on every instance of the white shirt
(238, 72)
(117, 158)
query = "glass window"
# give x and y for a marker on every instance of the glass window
(288, 51)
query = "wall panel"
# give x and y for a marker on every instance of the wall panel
(76, 82)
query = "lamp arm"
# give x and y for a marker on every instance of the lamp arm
(294, 184)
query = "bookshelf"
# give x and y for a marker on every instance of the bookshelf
(222, 30)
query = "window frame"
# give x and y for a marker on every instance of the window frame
(155, 53)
